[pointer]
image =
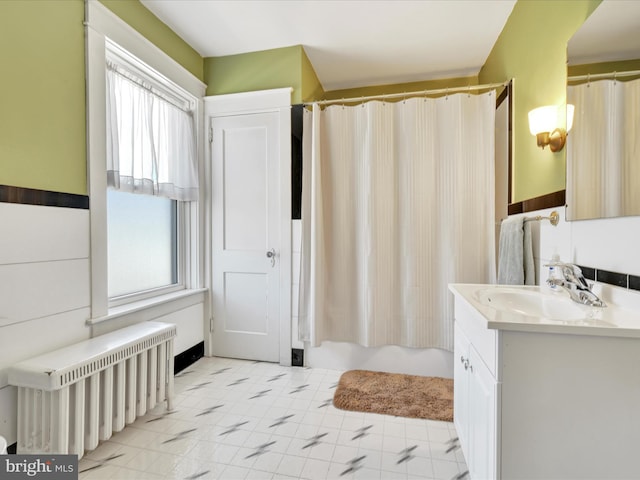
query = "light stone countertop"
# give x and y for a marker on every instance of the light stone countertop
(507, 307)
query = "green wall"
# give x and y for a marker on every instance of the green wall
(290, 67)
(532, 50)
(42, 88)
(152, 28)
(605, 67)
(401, 87)
(42, 112)
(42, 97)
(276, 68)
(311, 86)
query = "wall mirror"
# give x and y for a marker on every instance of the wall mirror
(603, 148)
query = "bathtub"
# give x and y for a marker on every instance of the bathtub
(430, 362)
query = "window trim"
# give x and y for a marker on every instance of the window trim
(160, 84)
(103, 26)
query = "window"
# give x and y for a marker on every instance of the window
(142, 243)
(146, 242)
(151, 178)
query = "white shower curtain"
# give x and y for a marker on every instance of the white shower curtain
(602, 149)
(398, 201)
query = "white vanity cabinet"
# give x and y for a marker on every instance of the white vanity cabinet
(542, 400)
(476, 393)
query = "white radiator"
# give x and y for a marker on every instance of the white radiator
(70, 399)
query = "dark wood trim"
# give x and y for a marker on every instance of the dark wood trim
(30, 196)
(510, 161)
(502, 96)
(555, 199)
(507, 94)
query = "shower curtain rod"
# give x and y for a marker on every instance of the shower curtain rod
(598, 76)
(418, 93)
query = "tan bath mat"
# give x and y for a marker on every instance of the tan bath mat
(395, 394)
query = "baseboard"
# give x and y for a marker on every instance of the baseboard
(188, 357)
(297, 357)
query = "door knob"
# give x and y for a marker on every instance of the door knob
(272, 255)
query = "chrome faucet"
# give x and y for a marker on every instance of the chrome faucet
(574, 282)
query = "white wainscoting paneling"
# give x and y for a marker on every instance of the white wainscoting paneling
(44, 264)
(188, 322)
(44, 285)
(36, 290)
(33, 233)
(605, 244)
(185, 311)
(24, 340)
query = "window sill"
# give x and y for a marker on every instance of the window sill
(184, 298)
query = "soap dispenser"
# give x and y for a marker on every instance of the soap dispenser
(554, 271)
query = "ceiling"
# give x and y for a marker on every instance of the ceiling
(611, 33)
(350, 43)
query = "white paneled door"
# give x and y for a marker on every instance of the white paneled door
(246, 236)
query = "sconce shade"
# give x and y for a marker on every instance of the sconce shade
(543, 119)
(546, 123)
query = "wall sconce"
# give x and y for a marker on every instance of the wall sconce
(544, 123)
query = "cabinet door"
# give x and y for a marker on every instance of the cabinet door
(482, 395)
(460, 387)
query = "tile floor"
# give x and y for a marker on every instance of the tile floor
(236, 419)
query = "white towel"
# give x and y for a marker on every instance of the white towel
(527, 253)
(515, 256)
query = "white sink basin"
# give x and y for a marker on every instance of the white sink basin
(534, 304)
(539, 309)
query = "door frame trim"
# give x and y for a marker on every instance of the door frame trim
(276, 100)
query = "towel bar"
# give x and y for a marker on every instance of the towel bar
(554, 218)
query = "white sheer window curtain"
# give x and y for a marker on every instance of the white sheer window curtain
(398, 201)
(602, 148)
(150, 139)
